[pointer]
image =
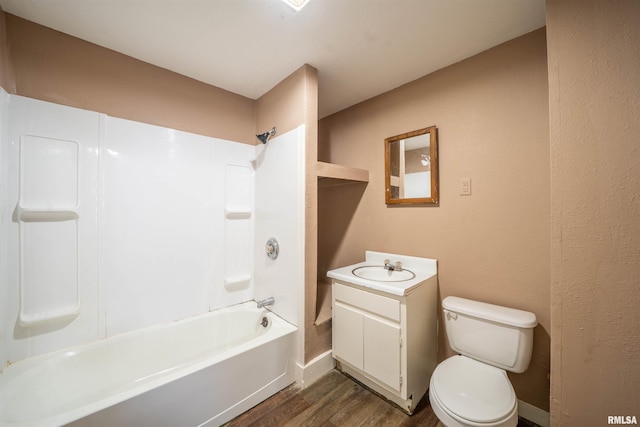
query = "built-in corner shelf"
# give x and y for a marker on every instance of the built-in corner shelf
(332, 174)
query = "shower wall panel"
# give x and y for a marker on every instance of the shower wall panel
(5, 212)
(47, 216)
(48, 289)
(238, 208)
(156, 225)
(233, 239)
(280, 186)
(110, 225)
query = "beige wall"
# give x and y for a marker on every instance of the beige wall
(294, 101)
(282, 105)
(492, 116)
(55, 67)
(594, 91)
(6, 80)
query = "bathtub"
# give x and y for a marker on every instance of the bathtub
(201, 371)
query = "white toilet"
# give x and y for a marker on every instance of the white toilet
(472, 388)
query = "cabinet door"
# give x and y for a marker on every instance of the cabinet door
(347, 335)
(382, 351)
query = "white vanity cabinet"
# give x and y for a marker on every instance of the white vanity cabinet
(368, 335)
(387, 342)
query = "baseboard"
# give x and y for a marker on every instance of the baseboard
(316, 368)
(533, 414)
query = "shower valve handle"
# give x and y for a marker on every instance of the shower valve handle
(272, 248)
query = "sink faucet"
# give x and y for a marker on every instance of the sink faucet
(392, 267)
(265, 302)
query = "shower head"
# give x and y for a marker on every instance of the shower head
(264, 137)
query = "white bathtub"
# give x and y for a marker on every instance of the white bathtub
(199, 371)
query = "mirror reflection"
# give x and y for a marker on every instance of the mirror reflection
(411, 167)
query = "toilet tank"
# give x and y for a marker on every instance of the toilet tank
(496, 335)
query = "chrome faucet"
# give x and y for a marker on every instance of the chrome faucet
(392, 267)
(265, 302)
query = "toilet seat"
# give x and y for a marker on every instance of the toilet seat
(473, 392)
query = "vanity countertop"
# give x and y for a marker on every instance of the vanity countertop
(423, 268)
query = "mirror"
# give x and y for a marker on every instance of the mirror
(411, 168)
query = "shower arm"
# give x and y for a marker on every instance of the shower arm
(264, 137)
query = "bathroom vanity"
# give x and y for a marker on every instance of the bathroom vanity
(385, 324)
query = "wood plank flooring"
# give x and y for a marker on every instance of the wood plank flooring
(335, 400)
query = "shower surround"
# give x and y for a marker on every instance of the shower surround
(114, 226)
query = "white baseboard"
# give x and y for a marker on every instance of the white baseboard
(533, 414)
(316, 368)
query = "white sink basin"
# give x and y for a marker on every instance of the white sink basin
(371, 273)
(380, 274)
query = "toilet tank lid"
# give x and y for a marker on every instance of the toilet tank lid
(494, 313)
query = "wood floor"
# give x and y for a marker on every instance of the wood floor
(334, 400)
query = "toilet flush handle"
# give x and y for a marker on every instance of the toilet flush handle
(451, 315)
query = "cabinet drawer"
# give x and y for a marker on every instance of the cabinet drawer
(382, 306)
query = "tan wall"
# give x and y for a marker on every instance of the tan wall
(292, 102)
(594, 91)
(55, 67)
(6, 80)
(492, 116)
(282, 105)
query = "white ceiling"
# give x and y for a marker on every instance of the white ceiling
(361, 48)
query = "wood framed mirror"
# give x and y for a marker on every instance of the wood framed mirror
(411, 168)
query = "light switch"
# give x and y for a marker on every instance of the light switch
(465, 187)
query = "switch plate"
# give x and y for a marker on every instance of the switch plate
(465, 187)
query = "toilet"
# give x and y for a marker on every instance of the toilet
(472, 388)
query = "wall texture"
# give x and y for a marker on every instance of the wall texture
(291, 103)
(55, 67)
(492, 116)
(6, 80)
(594, 94)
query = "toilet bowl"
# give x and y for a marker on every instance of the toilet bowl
(465, 392)
(472, 388)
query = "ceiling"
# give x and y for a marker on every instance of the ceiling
(361, 48)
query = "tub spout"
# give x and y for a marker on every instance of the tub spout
(265, 302)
